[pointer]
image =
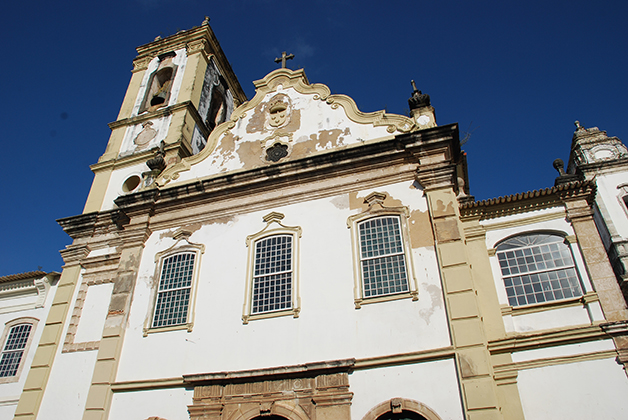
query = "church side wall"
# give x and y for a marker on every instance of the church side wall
(413, 382)
(11, 388)
(516, 320)
(168, 403)
(581, 390)
(220, 341)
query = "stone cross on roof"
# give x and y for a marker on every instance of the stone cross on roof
(283, 59)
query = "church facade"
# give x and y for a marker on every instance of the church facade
(291, 257)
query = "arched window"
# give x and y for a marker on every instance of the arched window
(15, 342)
(537, 268)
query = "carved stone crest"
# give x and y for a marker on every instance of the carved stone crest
(145, 136)
(279, 109)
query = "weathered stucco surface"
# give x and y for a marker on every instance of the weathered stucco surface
(306, 125)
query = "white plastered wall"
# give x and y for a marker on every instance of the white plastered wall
(220, 341)
(434, 384)
(549, 319)
(71, 375)
(169, 404)
(118, 177)
(579, 390)
(316, 116)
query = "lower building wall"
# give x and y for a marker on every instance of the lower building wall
(170, 404)
(370, 387)
(7, 406)
(69, 384)
(583, 390)
(433, 384)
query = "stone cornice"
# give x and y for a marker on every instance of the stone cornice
(528, 201)
(604, 166)
(37, 285)
(190, 39)
(79, 226)
(438, 156)
(364, 157)
(84, 225)
(534, 340)
(72, 254)
(299, 371)
(141, 157)
(164, 112)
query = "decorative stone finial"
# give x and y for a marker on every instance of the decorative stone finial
(559, 165)
(418, 99)
(205, 21)
(578, 126)
(563, 177)
(158, 163)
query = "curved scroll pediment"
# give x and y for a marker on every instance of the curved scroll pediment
(288, 119)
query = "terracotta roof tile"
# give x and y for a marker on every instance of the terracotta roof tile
(22, 276)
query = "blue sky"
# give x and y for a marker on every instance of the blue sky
(516, 75)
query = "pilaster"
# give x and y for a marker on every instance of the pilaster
(133, 237)
(479, 391)
(37, 379)
(578, 202)
(578, 205)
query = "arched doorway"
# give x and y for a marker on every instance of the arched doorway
(404, 415)
(401, 409)
(269, 418)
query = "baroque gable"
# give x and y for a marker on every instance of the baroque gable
(288, 119)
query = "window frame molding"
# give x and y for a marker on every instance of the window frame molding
(160, 257)
(271, 219)
(585, 288)
(5, 334)
(376, 209)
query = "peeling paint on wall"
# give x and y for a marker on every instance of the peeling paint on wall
(341, 202)
(435, 297)
(250, 153)
(420, 229)
(258, 117)
(442, 210)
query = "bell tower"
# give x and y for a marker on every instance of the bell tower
(181, 88)
(604, 159)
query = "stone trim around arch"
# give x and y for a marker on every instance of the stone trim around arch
(288, 409)
(397, 405)
(300, 392)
